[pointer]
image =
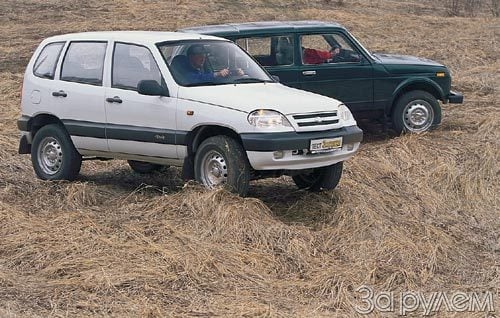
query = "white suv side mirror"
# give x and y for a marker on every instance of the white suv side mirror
(151, 88)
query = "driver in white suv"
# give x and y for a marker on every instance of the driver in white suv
(193, 68)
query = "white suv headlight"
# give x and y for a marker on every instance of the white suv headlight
(264, 118)
(344, 113)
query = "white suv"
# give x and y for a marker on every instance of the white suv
(167, 98)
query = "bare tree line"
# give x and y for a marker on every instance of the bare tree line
(471, 7)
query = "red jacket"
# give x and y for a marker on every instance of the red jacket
(312, 56)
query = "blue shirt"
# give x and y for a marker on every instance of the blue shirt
(197, 76)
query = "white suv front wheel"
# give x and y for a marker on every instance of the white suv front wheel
(324, 178)
(221, 161)
(53, 155)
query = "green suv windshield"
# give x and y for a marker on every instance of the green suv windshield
(203, 63)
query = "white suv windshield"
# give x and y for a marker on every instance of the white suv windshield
(201, 63)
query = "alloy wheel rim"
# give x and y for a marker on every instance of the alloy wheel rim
(418, 116)
(50, 155)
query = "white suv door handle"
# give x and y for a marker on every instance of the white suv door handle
(61, 93)
(309, 73)
(115, 99)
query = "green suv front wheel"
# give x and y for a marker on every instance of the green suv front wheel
(416, 112)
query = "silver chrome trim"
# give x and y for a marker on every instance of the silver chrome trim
(315, 121)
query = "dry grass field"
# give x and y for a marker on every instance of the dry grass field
(412, 213)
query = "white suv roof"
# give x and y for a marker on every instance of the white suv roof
(144, 37)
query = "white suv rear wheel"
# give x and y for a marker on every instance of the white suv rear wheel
(53, 155)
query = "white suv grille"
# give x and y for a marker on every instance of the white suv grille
(315, 121)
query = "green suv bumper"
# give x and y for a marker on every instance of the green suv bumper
(455, 98)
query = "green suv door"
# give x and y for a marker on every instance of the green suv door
(332, 66)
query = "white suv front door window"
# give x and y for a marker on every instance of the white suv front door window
(138, 124)
(78, 95)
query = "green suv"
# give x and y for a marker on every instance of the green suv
(324, 58)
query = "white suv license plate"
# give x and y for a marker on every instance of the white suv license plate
(325, 145)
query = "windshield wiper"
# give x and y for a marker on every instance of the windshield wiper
(251, 80)
(208, 83)
(236, 81)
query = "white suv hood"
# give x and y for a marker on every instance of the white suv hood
(249, 97)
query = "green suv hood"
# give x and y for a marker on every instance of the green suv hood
(404, 59)
(400, 64)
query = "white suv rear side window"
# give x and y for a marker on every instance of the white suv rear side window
(84, 63)
(132, 64)
(45, 65)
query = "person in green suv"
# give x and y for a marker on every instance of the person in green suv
(313, 56)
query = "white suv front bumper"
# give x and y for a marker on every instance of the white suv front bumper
(266, 160)
(290, 150)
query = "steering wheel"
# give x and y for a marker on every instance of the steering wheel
(346, 56)
(233, 72)
(230, 77)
